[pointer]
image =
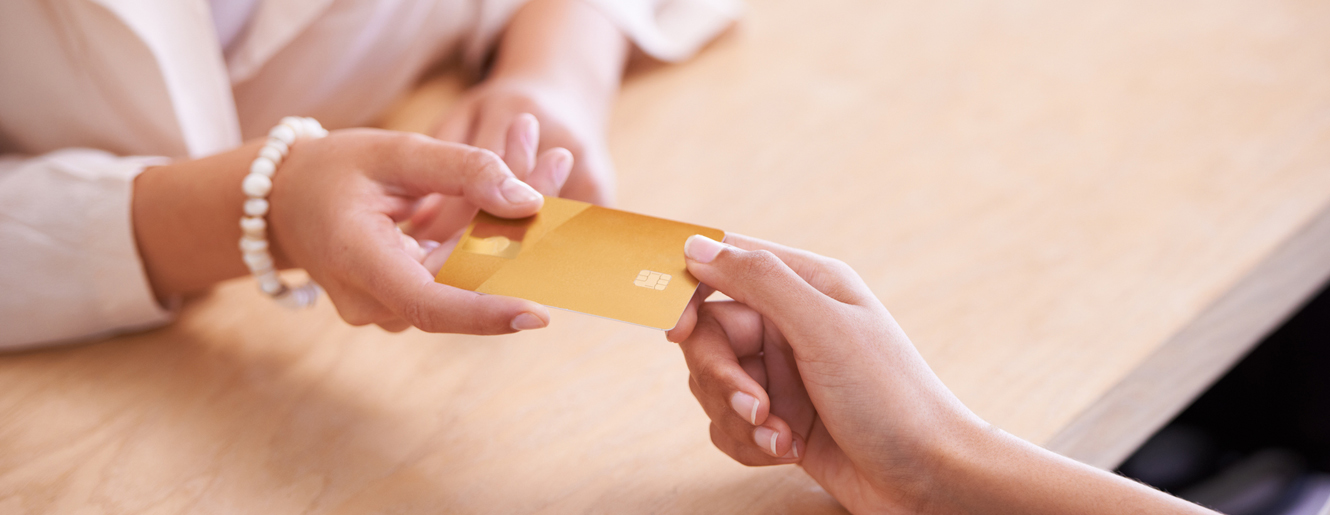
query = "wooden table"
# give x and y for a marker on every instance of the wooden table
(1082, 212)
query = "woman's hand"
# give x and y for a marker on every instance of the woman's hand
(561, 61)
(806, 366)
(487, 113)
(335, 205)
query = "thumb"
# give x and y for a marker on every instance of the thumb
(756, 278)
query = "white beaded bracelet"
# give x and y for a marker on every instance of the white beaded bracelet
(257, 185)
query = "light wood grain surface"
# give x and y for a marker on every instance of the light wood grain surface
(1044, 193)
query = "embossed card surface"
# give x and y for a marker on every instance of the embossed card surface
(581, 257)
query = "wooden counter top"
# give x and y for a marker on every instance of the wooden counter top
(1081, 212)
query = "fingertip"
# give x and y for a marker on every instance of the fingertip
(520, 194)
(562, 163)
(746, 406)
(527, 321)
(505, 315)
(797, 448)
(702, 249)
(523, 140)
(528, 130)
(767, 439)
(551, 171)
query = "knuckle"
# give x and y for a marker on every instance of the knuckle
(410, 139)
(762, 263)
(406, 143)
(415, 314)
(479, 162)
(835, 265)
(845, 274)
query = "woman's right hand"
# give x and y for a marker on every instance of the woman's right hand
(336, 203)
(805, 366)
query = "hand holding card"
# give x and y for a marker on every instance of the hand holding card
(580, 257)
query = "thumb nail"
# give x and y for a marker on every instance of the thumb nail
(518, 192)
(527, 322)
(702, 249)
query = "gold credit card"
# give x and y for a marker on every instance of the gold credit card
(581, 257)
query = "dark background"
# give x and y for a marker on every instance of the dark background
(1258, 441)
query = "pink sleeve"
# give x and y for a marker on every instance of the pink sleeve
(669, 30)
(71, 268)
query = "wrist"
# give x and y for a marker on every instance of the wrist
(258, 185)
(184, 217)
(566, 46)
(963, 457)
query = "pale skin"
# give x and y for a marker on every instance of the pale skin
(805, 366)
(534, 126)
(560, 60)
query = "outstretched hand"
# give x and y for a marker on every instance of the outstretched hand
(806, 366)
(337, 202)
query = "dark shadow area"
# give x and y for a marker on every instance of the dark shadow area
(1258, 441)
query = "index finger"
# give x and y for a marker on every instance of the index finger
(417, 165)
(830, 276)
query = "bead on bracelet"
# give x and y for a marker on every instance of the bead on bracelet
(257, 185)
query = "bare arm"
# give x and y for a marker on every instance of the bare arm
(1002, 473)
(186, 221)
(335, 203)
(566, 45)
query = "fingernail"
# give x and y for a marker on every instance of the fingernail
(794, 447)
(531, 133)
(528, 321)
(745, 405)
(766, 438)
(518, 192)
(701, 248)
(563, 166)
(429, 245)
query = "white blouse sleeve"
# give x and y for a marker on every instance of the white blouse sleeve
(668, 30)
(70, 265)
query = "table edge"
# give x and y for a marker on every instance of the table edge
(1110, 429)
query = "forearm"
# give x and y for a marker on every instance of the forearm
(186, 221)
(567, 45)
(995, 472)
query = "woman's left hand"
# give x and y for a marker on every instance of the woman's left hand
(485, 114)
(558, 66)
